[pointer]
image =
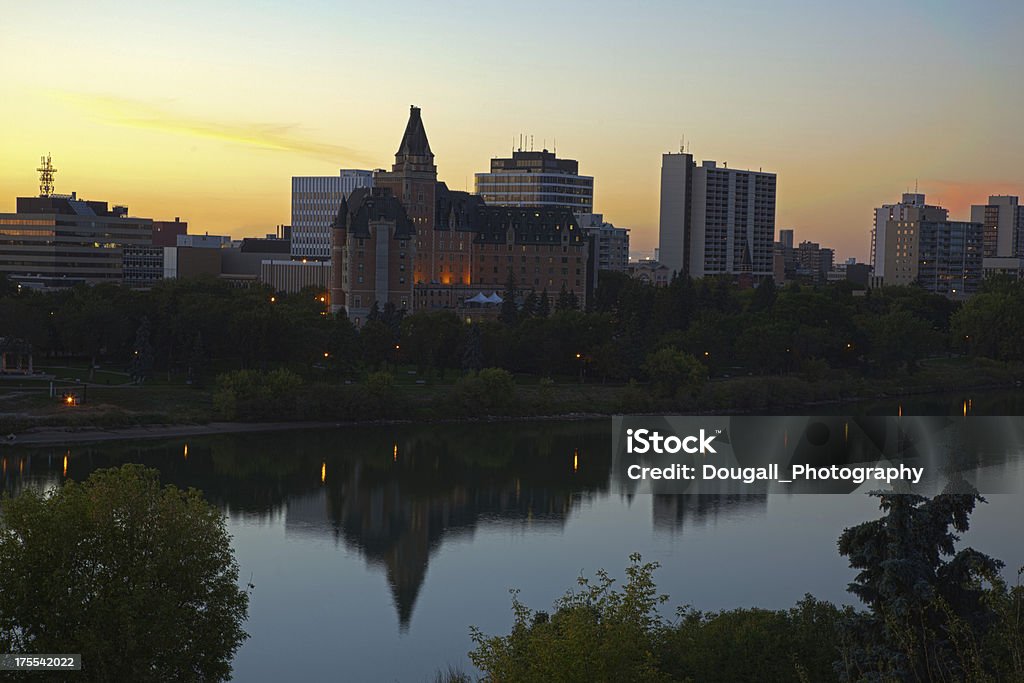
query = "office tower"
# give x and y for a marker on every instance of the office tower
(60, 241)
(536, 179)
(1003, 225)
(715, 220)
(315, 202)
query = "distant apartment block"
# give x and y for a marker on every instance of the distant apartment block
(894, 237)
(950, 257)
(915, 243)
(1002, 222)
(715, 220)
(538, 179)
(315, 202)
(813, 262)
(608, 246)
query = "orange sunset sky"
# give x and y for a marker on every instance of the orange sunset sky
(204, 110)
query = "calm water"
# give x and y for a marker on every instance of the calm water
(373, 550)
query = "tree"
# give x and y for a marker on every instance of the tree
(927, 614)
(672, 371)
(899, 337)
(544, 305)
(509, 311)
(567, 300)
(142, 354)
(375, 342)
(196, 360)
(472, 352)
(595, 634)
(139, 579)
(530, 304)
(7, 288)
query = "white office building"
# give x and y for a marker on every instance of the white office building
(315, 202)
(715, 220)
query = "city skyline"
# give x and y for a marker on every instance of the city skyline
(206, 112)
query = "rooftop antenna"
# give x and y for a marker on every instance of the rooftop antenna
(46, 171)
(555, 150)
(682, 143)
(915, 185)
(531, 143)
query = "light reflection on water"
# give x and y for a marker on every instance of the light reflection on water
(375, 565)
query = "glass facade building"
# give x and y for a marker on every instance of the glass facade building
(536, 179)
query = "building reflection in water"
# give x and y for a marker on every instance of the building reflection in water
(672, 513)
(352, 485)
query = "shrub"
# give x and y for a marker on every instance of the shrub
(139, 579)
(255, 395)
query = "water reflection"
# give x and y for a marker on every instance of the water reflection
(671, 513)
(351, 485)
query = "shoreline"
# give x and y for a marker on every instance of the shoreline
(57, 435)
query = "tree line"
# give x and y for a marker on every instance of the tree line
(629, 330)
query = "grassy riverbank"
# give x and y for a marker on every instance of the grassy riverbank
(398, 396)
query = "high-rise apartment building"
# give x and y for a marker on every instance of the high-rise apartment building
(537, 179)
(611, 244)
(894, 237)
(715, 220)
(315, 202)
(814, 261)
(1003, 225)
(786, 237)
(950, 258)
(914, 242)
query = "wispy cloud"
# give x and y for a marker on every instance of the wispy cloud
(278, 137)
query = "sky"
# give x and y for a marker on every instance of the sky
(204, 110)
